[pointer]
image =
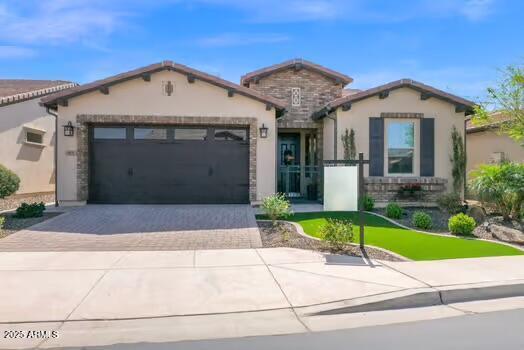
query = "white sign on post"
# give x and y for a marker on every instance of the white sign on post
(341, 188)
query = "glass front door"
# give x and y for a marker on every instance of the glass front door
(289, 164)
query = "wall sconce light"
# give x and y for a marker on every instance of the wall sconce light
(69, 129)
(263, 131)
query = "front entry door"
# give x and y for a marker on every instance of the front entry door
(289, 164)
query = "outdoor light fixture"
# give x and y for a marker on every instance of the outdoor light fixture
(263, 131)
(69, 129)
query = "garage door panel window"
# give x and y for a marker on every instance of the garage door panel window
(109, 133)
(230, 134)
(191, 134)
(401, 147)
(150, 134)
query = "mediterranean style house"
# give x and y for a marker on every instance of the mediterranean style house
(27, 133)
(167, 133)
(486, 145)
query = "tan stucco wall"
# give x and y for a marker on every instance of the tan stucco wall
(33, 164)
(137, 97)
(481, 146)
(403, 100)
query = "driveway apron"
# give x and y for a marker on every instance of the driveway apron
(141, 227)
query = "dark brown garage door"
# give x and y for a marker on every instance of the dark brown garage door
(166, 164)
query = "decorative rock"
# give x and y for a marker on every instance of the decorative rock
(507, 234)
(477, 213)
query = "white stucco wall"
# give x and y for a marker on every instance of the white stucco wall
(137, 97)
(33, 164)
(403, 100)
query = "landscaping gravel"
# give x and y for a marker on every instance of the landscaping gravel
(13, 202)
(438, 217)
(285, 235)
(13, 224)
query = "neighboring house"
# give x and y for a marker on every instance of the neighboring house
(486, 145)
(167, 133)
(27, 132)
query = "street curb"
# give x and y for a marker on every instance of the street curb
(420, 297)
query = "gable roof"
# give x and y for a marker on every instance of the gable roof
(53, 100)
(296, 63)
(426, 91)
(18, 90)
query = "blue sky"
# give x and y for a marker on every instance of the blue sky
(456, 45)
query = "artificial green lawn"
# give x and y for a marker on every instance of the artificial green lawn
(411, 244)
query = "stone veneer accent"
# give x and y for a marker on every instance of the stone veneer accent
(316, 91)
(84, 120)
(385, 188)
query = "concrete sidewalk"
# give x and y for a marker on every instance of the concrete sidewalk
(282, 286)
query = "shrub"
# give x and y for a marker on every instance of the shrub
(9, 182)
(393, 211)
(450, 203)
(2, 221)
(421, 220)
(368, 203)
(337, 232)
(461, 224)
(276, 207)
(32, 210)
(501, 185)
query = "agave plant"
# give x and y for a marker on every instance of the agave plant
(501, 185)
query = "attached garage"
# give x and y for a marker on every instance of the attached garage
(164, 134)
(168, 164)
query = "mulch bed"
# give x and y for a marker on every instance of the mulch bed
(439, 218)
(14, 202)
(285, 235)
(12, 224)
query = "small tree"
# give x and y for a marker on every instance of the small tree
(508, 98)
(276, 207)
(458, 161)
(9, 182)
(348, 141)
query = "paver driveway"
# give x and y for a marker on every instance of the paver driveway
(141, 227)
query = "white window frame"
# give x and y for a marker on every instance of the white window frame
(33, 130)
(296, 93)
(416, 146)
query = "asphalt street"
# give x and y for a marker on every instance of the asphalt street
(495, 330)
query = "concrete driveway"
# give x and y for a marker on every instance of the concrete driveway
(141, 227)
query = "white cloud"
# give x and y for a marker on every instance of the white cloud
(354, 10)
(7, 51)
(241, 39)
(473, 10)
(56, 21)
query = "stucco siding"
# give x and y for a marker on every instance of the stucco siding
(482, 145)
(33, 164)
(403, 100)
(140, 98)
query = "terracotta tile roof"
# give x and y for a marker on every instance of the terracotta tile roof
(347, 92)
(18, 90)
(423, 88)
(297, 63)
(54, 99)
(498, 118)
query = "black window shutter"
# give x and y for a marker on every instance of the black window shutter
(376, 146)
(427, 147)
